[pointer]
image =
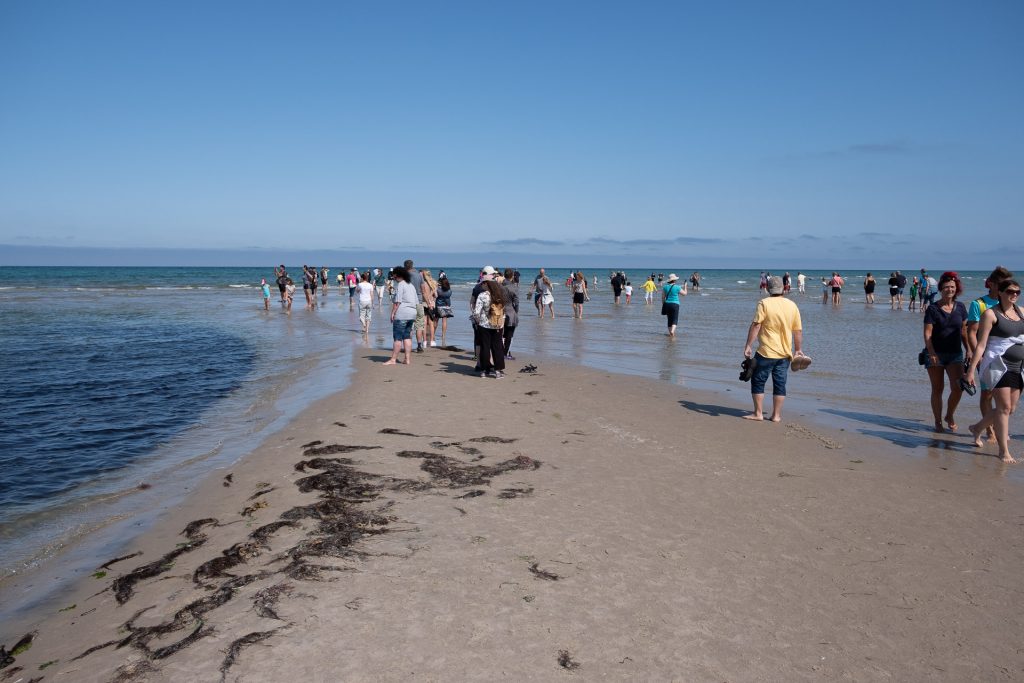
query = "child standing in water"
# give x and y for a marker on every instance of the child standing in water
(628, 289)
(289, 293)
(266, 294)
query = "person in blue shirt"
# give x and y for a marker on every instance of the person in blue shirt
(266, 294)
(670, 294)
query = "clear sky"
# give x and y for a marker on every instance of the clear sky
(887, 133)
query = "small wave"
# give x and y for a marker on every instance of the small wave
(172, 288)
(240, 286)
(741, 282)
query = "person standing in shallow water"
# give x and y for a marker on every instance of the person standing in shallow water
(869, 289)
(670, 294)
(779, 334)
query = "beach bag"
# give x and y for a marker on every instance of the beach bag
(664, 308)
(445, 312)
(496, 316)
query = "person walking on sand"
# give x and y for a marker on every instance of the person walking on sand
(779, 334)
(945, 335)
(429, 291)
(670, 294)
(974, 313)
(489, 314)
(403, 315)
(649, 288)
(511, 285)
(1001, 335)
(364, 292)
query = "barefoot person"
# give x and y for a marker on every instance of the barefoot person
(776, 322)
(999, 365)
(945, 335)
(403, 315)
(670, 294)
(974, 313)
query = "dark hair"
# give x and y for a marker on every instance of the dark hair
(496, 291)
(1006, 284)
(951, 276)
(509, 273)
(997, 276)
(366, 276)
(443, 282)
(400, 273)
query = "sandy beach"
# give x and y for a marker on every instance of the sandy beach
(428, 524)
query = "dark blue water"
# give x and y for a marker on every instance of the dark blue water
(89, 390)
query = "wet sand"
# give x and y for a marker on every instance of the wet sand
(429, 524)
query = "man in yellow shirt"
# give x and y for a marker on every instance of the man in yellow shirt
(776, 321)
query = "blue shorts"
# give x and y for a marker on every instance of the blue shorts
(945, 359)
(778, 368)
(401, 329)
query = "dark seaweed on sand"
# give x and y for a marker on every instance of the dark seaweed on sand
(124, 586)
(515, 493)
(492, 439)
(542, 574)
(106, 565)
(566, 661)
(239, 553)
(468, 450)
(132, 671)
(23, 644)
(396, 432)
(265, 601)
(471, 494)
(262, 492)
(451, 473)
(335, 448)
(237, 645)
(528, 368)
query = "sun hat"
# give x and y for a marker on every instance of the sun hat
(672, 277)
(775, 285)
(488, 270)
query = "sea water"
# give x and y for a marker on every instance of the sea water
(118, 378)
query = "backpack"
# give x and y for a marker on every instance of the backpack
(496, 316)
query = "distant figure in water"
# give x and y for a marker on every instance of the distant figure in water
(649, 288)
(265, 288)
(695, 281)
(869, 289)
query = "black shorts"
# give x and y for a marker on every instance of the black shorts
(578, 297)
(836, 290)
(1010, 380)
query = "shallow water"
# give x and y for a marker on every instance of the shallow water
(119, 376)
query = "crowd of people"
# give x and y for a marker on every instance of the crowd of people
(974, 347)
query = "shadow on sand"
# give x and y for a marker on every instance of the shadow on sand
(713, 410)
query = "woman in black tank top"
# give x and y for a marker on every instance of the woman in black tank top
(1000, 334)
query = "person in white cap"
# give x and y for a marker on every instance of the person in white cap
(670, 294)
(776, 323)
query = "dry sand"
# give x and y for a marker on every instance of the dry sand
(635, 530)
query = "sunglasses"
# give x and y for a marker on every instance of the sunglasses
(1012, 292)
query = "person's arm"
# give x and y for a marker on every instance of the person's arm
(987, 320)
(798, 342)
(748, 350)
(396, 301)
(683, 290)
(928, 343)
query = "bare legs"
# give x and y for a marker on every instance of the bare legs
(999, 417)
(758, 413)
(935, 376)
(400, 347)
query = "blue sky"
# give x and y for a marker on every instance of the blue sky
(882, 134)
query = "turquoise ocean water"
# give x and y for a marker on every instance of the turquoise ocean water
(118, 377)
